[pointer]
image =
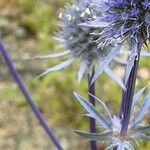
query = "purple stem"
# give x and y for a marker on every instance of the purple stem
(122, 105)
(28, 97)
(91, 89)
(127, 96)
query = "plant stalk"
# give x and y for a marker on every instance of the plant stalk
(91, 90)
(28, 98)
(127, 96)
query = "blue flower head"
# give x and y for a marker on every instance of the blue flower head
(80, 44)
(76, 37)
(125, 19)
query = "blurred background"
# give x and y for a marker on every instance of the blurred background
(27, 28)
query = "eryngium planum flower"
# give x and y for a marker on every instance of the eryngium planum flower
(80, 43)
(125, 19)
(111, 125)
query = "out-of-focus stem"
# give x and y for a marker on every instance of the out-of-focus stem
(28, 98)
(91, 90)
(127, 96)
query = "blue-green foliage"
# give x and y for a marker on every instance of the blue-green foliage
(111, 125)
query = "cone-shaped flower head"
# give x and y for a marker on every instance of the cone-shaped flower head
(125, 19)
(77, 39)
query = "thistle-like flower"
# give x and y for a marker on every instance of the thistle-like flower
(80, 43)
(111, 125)
(125, 19)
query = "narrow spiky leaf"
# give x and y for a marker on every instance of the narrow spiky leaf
(57, 67)
(136, 96)
(114, 77)
(120, 61)
(95, 136)
(144, 53)
(105, 63)
(81, 71)
(129, 67)
(143, 129)
(103, 105)
(51, 55)
(143, 137)
(142, 110)
(93, 111)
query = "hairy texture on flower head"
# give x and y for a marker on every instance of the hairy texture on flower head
(78, 38)
(80, 42)
(125, 19)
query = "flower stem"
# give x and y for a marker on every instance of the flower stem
(91, 90)
(27, 96)
(127, 96)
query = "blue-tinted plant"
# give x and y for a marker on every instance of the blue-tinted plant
(28, 98)
(126, 22)
(79, 43)
(125, 19)
(94, 31)
(111, 125)
(77, 40)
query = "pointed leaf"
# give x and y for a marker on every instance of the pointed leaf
(143, 129)
(144, 53)
(95, 136)
(120, 61)
(51, 55)
(129, 67)
(143, 137)
(59, 39)
(142, 110)
(105, 63)
(114, 77)
(57, 67)
(103, 105)
(88, 115)
(136, 96)
(96, 24)
(81, 71)
(93, 111)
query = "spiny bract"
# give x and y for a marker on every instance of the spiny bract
(80, 43)
(125, 19)
(111, 125)
(77, 37)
